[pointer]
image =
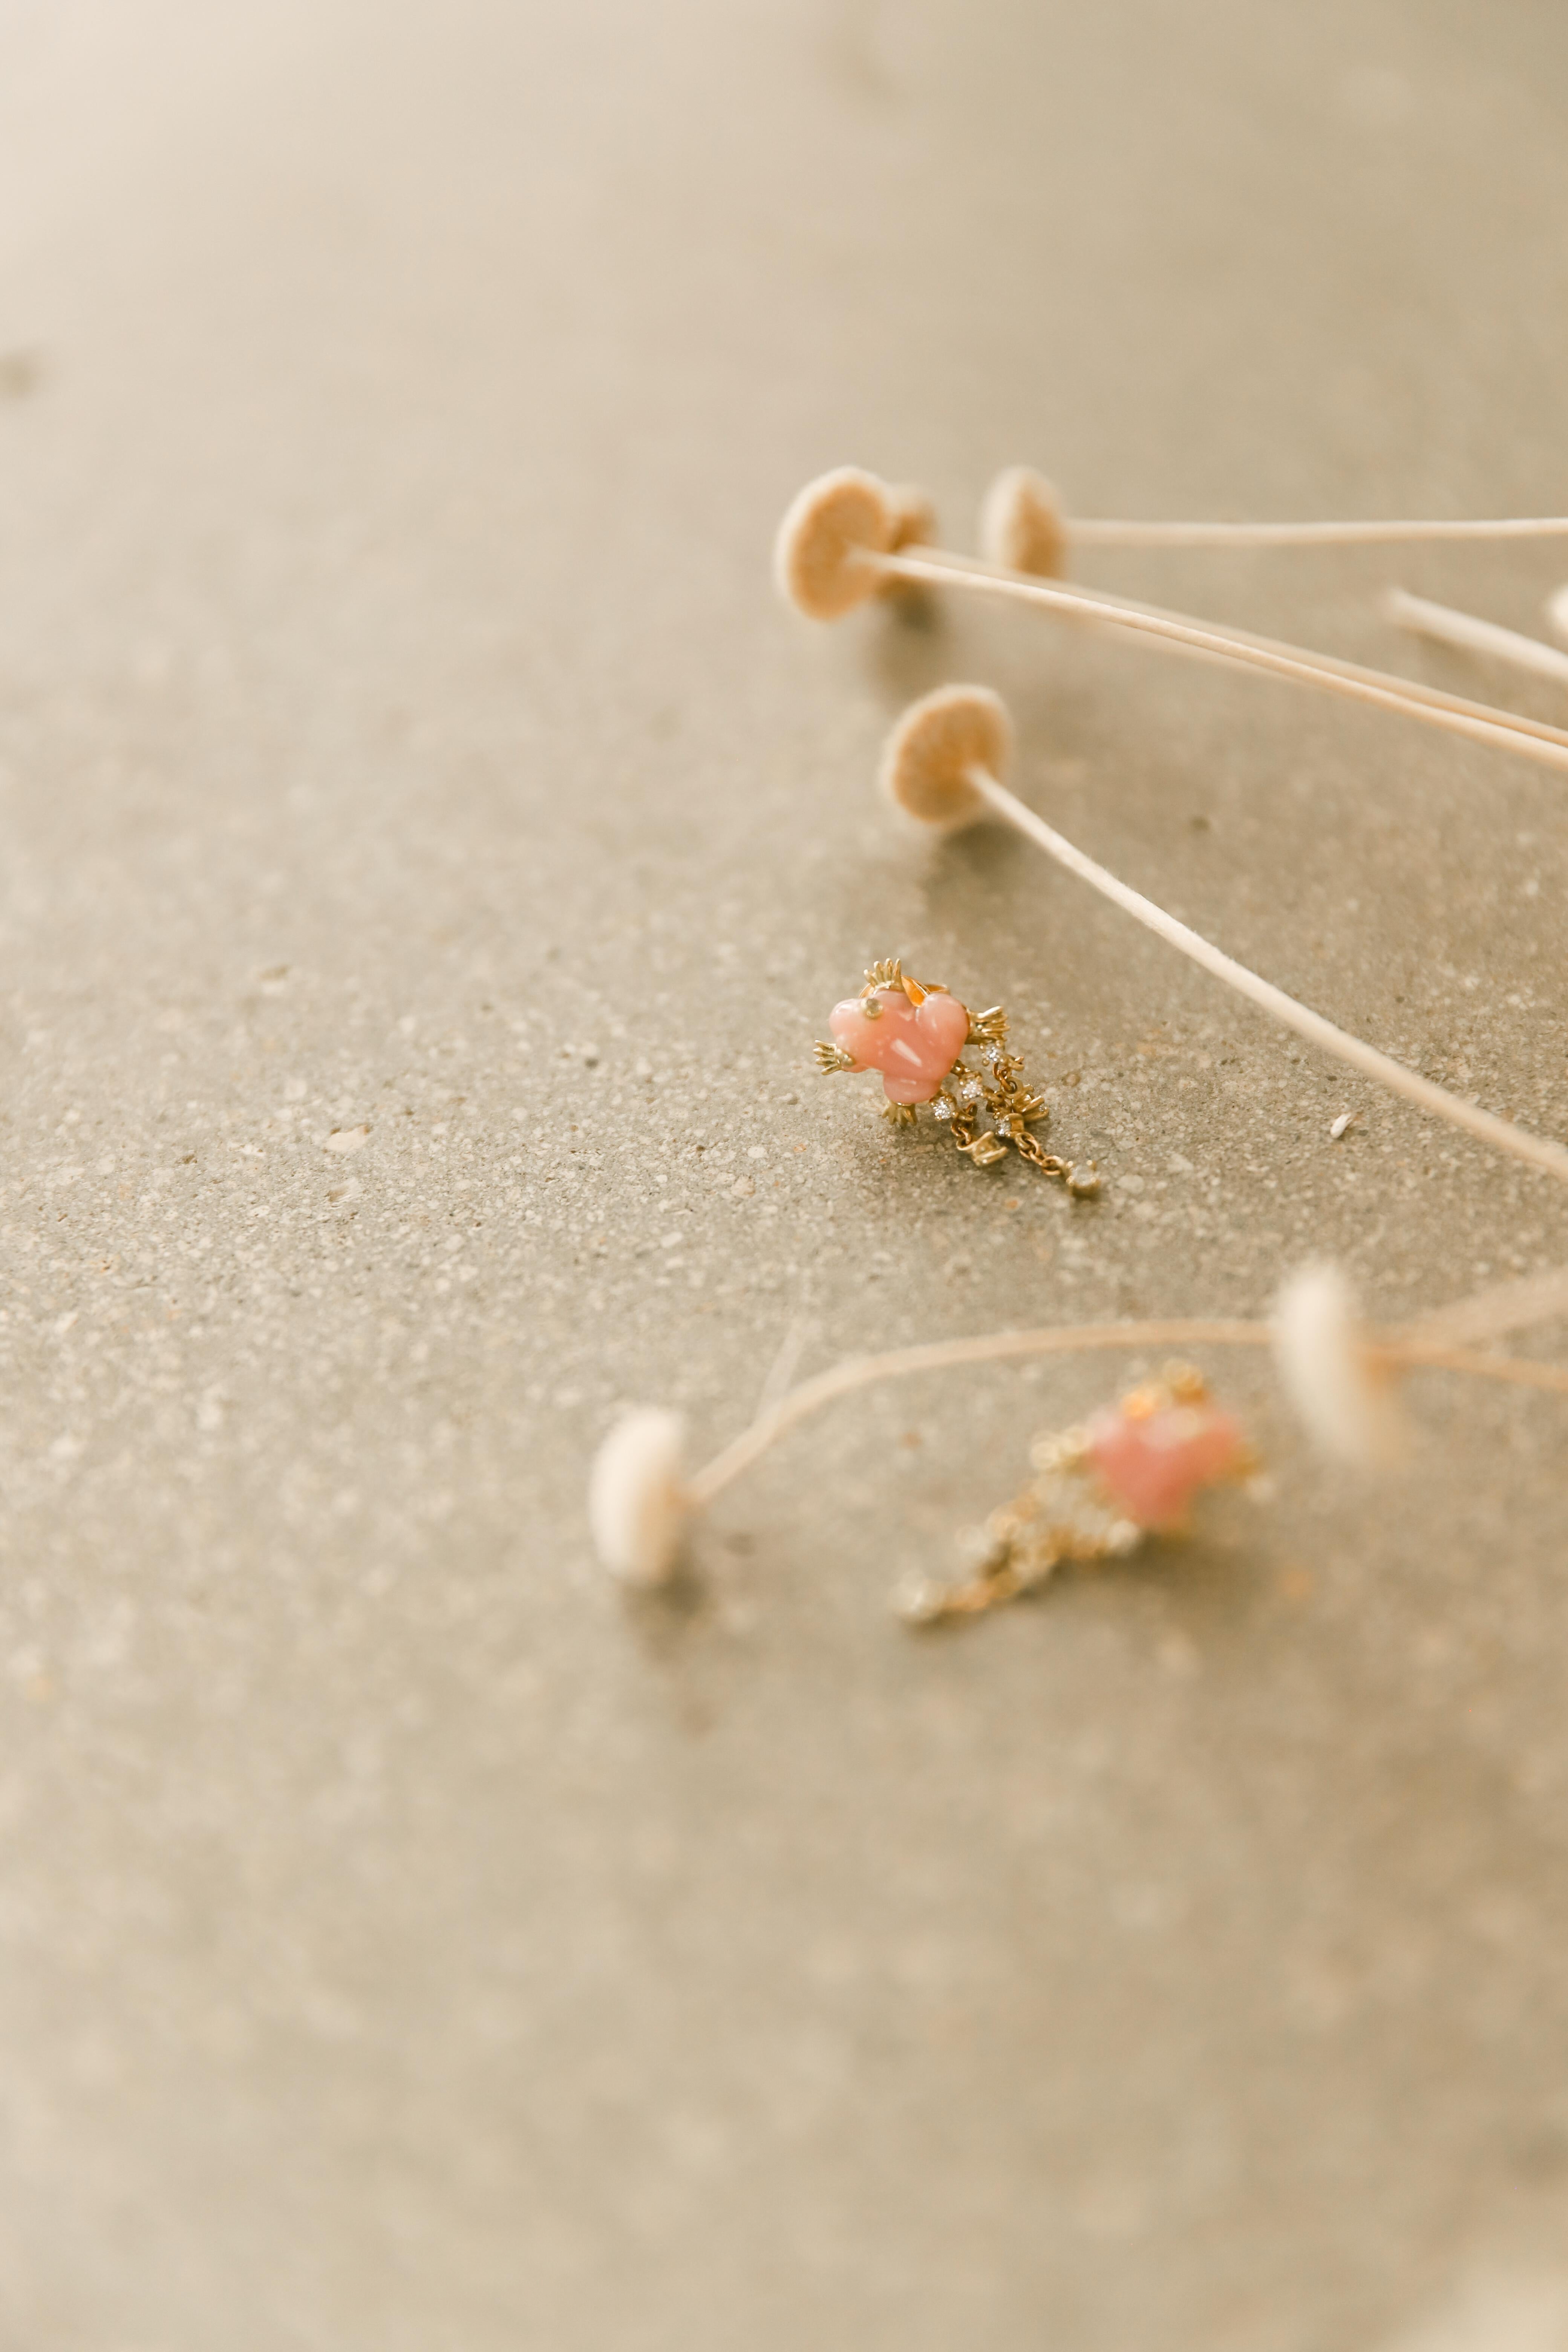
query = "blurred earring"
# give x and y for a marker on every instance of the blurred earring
(1132, 1471)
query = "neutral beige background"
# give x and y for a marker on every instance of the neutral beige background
(403, 1944)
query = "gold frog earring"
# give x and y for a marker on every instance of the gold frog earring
(915, 1032)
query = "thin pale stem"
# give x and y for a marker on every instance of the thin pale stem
(940, 1355)
(1479, 724)
(780, 1372)
(1475, 636)
(1416, 689)
(1517, 1371)
(944, 1355)
(1490, 1314)
(1114, 533)
(1517, 1142)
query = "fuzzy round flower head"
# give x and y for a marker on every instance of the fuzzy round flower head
(914, 526)
(638, 1501)
(927, 758)
(1021, 525)
(914, 517)
(835, 523)
(1347, 1400)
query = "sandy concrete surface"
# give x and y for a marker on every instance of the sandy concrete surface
(428, 853)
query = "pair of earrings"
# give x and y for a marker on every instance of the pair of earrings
(1134, 1469)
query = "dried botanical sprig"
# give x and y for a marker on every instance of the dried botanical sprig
(839, 545)
(638, 1502)
(1022, 510)
(1473, 635)
(1341, 1386)
(931, 770)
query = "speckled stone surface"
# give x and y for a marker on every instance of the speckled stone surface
(427, 851)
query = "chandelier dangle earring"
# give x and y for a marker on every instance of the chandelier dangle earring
(916, 1034)
(1099, 1491)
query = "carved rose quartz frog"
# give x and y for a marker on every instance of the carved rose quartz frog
(914, 1034)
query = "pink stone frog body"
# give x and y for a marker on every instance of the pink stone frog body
(914, 1033)
(1131, 1471)
(914, 1045)
(1155, 1461)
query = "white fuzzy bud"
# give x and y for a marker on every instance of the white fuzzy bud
(1021, 525)
(1345, 1396)
(638, 1501)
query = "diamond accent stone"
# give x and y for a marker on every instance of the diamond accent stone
(970, 1091)
(920, 1599)
(943, 1106)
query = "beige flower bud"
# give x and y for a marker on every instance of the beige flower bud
(637, 1502)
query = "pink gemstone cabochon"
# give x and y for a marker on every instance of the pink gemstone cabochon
(1155, 1465)
(914, 1046)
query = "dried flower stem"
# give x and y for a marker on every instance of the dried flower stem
(1499, 728)
(1535, 1151)
(941, 1354)
(1475, 636)
(1413, 689)
(1489, 1314)
(1116, 533)
(1518, 1372)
